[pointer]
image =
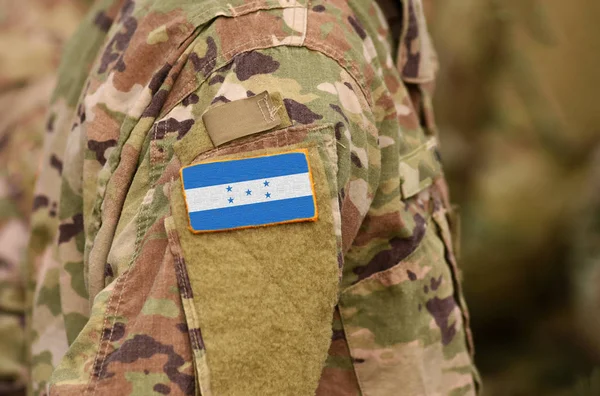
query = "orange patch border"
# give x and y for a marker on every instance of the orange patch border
(312, 186)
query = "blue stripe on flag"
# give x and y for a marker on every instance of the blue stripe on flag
(214, 173)
(253, 215)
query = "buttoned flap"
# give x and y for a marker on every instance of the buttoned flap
(255, 224)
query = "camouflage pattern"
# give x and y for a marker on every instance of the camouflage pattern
(31, 37)
(516, 100)
(116, 296)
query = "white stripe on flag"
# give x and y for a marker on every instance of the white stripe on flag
(218, 196)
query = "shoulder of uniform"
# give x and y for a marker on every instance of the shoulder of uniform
(330, 29)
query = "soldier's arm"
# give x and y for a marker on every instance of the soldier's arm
(259, 289)
(225, 177)
(266, 293)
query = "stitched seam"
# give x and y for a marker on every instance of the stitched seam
(97, 211)
(358, 380)
(189, 309)
(265, 138)
(293, 25)
(105, 321)
(305, 29)
(352, 70)
(144, 218)
(267, 43)
(186, 297)
(180, 276)
(193, 84)
(261, 109)
(426, 146)
(258, 4)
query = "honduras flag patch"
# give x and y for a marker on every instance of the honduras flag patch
(249, 192)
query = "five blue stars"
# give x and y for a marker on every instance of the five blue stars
(266, 183)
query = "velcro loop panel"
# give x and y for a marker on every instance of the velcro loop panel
(264, 296)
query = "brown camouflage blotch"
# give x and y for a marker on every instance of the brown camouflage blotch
(206, 63)
(252, 63)
(300, 112)
(159, 77)
(234, 33)
(351, 224)
(340, 112)
(218, 79)
(103, 21)
(192, 98)
(114, 49)
(172, 125)
(413, 58)
(99, 148)
(357, 27)
(378, 227)
(144, 60)
(441, 309)
(40, 201)
(143, 347)
(70, 229)
(56, 163)
(162, 389)
(400, 248)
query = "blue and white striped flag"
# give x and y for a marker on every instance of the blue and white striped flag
(250, 192)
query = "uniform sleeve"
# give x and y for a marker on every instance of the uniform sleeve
(312, 91)
(262, 221)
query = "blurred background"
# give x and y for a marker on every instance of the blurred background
(519, 123)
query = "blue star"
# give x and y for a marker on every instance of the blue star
(268, 195)
(248, 192)
(230, 200)
(229, 188)
(266, 183)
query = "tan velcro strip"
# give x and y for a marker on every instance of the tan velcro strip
(241, 118)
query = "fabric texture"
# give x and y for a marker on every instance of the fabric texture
(265, 310)
(145, 306)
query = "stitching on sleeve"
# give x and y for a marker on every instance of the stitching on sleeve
(261, 109)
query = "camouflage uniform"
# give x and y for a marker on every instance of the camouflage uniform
(129, 301)
(31, 37)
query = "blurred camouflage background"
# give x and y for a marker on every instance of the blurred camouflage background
(520, 128)
(32, 34)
